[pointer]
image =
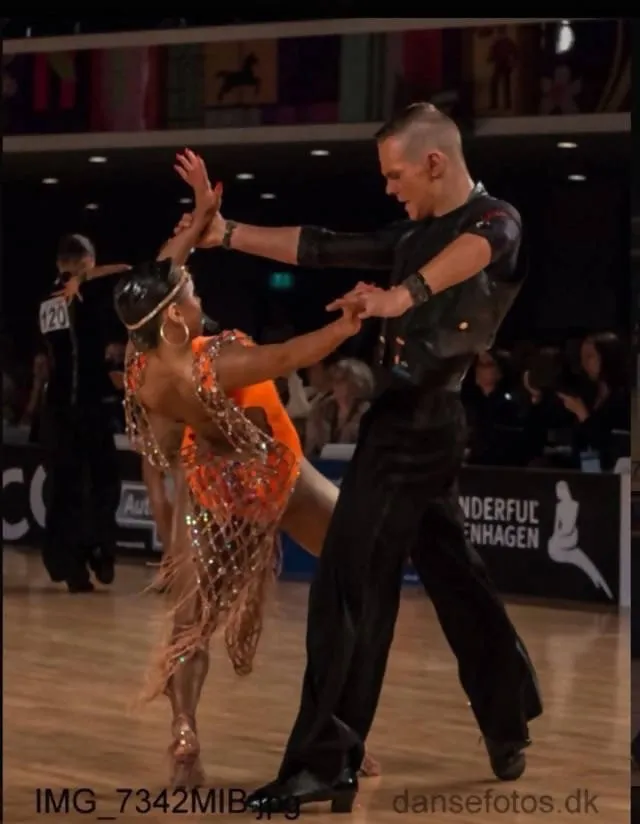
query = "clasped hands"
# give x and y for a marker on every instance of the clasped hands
(371, 301)
(193, 170)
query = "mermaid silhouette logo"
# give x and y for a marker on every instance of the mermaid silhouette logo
(564, 543)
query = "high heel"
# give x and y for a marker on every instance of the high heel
(183, 691)
(184, 752)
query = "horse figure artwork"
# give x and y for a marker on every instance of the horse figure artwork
(242, 78)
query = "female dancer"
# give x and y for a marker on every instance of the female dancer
(235, 483)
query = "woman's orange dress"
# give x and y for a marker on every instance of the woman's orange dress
(230, 498)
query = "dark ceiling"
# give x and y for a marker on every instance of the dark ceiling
(278, 165)
(343, 190)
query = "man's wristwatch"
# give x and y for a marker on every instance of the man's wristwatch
(418, 289)
(229, 229)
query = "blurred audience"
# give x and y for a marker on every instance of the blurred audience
(335, 417)
(492, 412)
(320, 378)
(545, 421)
(602, 413)
(300, 399)
(562, 407)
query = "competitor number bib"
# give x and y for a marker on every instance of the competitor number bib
(54, 315)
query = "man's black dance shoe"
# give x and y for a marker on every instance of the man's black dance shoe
(102, 562)
(507, 758)
(286, 798)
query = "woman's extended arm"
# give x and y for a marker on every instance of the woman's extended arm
(242, 366)
(179, 247)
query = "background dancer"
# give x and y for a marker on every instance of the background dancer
(80, 453)
(456, 277)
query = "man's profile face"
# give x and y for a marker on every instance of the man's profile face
(412, 180)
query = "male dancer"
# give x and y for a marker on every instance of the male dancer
(455, 278)
(78, 442)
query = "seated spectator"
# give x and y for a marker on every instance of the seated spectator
(492, 413)
(546, 423)
(600, 418)
(335, 418)
(320, 379)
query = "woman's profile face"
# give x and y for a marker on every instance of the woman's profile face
(343, 389)
(487, 370)
(590, 360)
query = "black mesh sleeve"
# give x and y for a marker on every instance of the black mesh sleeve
(500, 224)
(322, 248)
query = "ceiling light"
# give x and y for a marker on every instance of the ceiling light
(245, 176)
(320, 152)
(92, 207)
(50, 181)
(577, 178)
(186, 200)
(97, 159)
(567, 145)
(565, 37)
(267, 196)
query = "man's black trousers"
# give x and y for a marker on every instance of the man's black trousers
(83, 488)
(398, 500)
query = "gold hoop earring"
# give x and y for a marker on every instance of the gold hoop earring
(164, 337)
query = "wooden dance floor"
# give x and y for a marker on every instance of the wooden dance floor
(73, 666)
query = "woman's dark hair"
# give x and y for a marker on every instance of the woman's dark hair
(139, 292)
(614, 371)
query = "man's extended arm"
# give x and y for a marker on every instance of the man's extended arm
(314, 247)
(308, 246)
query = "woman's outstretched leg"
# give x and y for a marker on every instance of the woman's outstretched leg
(307, 520)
